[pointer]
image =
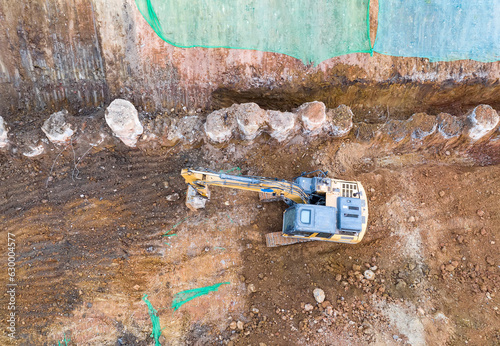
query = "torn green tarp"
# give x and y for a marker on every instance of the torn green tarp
(155, 320)
(185, 296)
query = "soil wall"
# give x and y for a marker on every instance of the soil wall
(82, 54)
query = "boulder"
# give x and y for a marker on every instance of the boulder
(250, 119)
(312, 115)
(281, 124)
(480, 121)
(56, 129)
(122, 117)
(448, 125)
(220, 125)
(3, 134)
(395, 129)
(339, 121)
(421, 125)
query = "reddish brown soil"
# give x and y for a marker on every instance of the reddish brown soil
(90, 245)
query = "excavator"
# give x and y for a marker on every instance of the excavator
(320, 208)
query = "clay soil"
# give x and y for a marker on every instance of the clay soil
(90, 245)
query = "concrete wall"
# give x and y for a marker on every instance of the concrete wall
(79, 54)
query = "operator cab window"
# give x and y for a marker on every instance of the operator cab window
(305, 216)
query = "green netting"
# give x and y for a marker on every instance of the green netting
(312, 31)
(440, 30)
(155, 320)
(185, 296)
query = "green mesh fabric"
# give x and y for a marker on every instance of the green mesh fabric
(185, 296)
(312, 31)
(155, 320)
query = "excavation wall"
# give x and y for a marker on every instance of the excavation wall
(82, 54)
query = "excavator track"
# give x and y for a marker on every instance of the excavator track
(275, 239)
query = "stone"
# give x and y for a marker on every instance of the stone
(421, 125)
(122, 117)
(56, 129)
(312, 115)
(281, 124)
(339, 121)
(480, 213)
(441, 193)
(401, 284)
(35, 151)
(194, 200)
(480, 121)
(220, 126)
(329, 310)
(448, 125)
(173, 197)
(490, 260)
(319, 295)
(233, 325)
(250, 118)
(3, 134)
(308, 307)
(395, 129)
(369, 275)
(338, 277)
(411, 219)
(356, 267)
(251, 288)
(240, 325)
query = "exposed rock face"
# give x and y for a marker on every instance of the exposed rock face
(449, 126)
(312, 115)
(281, 124)
(482, 120)
(339, 121)
(220, 125)
(421, 125)
(250, 118)
(56, 129)
(3, 134)
(121, 116)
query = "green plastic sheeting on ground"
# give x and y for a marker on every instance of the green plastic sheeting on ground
(155, 320)
(185, 296)
(312, 31)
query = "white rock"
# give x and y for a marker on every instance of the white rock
(481, 120)
(220, 125)
(308, 307)
(369, 275)
(3, 134)
(281, 124)
(313, 115)
(250, 119)
(56, 129)
(121, 116)
(35, 151)
(319, 295)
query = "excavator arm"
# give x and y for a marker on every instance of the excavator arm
(201, 180)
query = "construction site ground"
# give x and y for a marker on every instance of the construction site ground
(90, 244)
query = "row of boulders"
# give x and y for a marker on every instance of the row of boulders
(247, 121)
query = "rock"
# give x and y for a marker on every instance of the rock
(35, 151)
(356, 267)
(194, 200)
(308, 307)
(233, 325)
(249, 118)
(490, 260)
(329, 310)
(251, 288)
(281, 124)
(481, 121)
(338, 277)
(401, 284)
(339, 121)
(366, 132)
(56, 129)
(3, 134)
(173, 197)
(448, 125)
(411, 219)
(220, 125)
(312, 115)
(480, 213)
(421, 125)
(122, 117)
(319, 295)
(412, 266)
(441, 193)
(369, 275)
(240, 325)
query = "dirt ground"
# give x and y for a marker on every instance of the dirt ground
(90, 244)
